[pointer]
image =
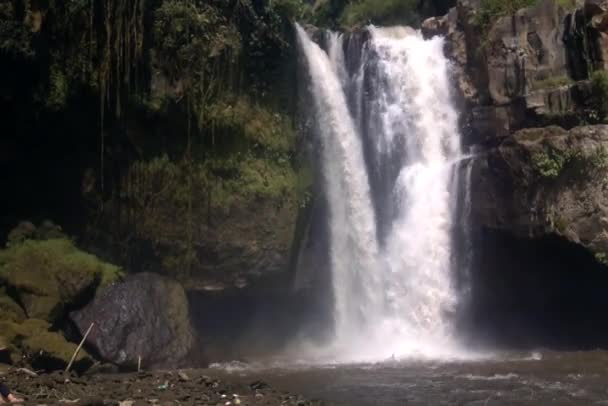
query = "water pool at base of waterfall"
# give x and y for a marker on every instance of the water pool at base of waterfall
(532, 378)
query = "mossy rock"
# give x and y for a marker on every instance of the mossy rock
(12, 334)
(9, 309)
(50, 275)
(32, 342)
(50, 351)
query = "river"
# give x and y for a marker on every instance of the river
(537, 378)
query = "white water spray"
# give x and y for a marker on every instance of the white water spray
(354, 247)
(394, 295)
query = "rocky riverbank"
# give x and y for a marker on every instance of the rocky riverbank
(187, 387)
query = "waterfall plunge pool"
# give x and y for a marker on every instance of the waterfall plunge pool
(530, 378)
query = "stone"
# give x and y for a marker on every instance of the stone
(506, 74)
(546, 181)
(525, 49)
(24, 230)
(42, 348)
(9, 309)
(435, 26)
(595, 7)
(48, 276)
(144, 316)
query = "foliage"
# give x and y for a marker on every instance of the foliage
(567, 4)
(189, 34)
(212, 59)
(599, 82)
(490, 10)
(159, 192)
(549, 164)
(552, 82)
(383, 12)
(15, 36)
(291, 10)
(58, 89)
(260, 128)
(602, 258)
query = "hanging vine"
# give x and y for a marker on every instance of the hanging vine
(119, 35)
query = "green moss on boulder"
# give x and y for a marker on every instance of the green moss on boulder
(9, 309)
(49, 275)
(32, 342)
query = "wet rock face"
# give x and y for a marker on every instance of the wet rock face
(547, 181)
(145, 316)
(524, 70)
(524, 49)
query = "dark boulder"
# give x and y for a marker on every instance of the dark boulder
(145, 316)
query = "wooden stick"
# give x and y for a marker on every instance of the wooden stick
(139, 363)
(67, 369)
(27, 372)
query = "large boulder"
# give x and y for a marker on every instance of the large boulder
(49, 276)
(145, 316)
(544, 181)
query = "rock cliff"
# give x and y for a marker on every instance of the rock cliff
(525, 83)
(543, 181)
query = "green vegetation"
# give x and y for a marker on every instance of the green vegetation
(226, 190)
(599, 82)
(552, 163)
(52, 274)
(602, 258)
(191, 101)
(567, 4)
(189, 34)
(28, 262)
(34, 342)
(549, 164)
(552, 82)
(42, 277)
(490, 10)
(257, 127)
(381, 12)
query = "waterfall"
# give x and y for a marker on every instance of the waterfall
(354, 250)
(390, 149)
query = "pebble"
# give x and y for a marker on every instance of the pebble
(156, 388)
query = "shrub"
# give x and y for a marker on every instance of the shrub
(263, 129)
(567, 4)
(189, 34)
(382, 12)
(599, 82)
(602, 258)
(490, 10)
(549, 165)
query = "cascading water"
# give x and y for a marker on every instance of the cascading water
(354, 248)
(391, 144)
